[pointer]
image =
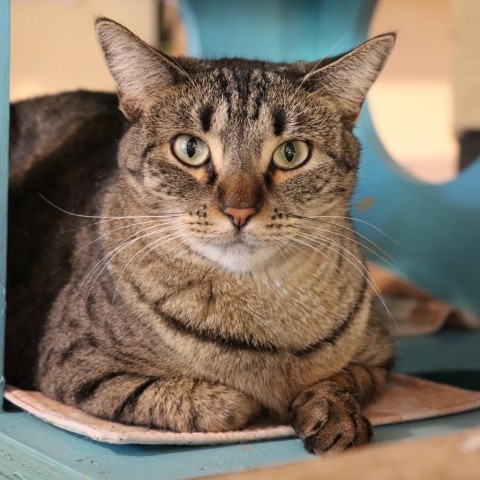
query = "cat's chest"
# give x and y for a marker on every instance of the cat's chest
(259, 334)
(272, 311)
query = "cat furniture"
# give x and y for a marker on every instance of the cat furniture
(432, 263)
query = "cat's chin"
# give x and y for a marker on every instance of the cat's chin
(236, 257)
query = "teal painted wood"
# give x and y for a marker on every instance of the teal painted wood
(437, 227)
(4, 113)
(278, 30)
(453, 357)
(17, 461)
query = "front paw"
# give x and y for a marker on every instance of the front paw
(218, 408)
(328, 418)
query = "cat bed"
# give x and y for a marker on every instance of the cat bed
(415, 311)
(407, 398)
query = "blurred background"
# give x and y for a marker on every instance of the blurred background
(426, 104)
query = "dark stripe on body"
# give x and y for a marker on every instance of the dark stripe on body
(88, 389)
(67, 354)
(352, 380)
(340, 330)
(178, 325)
(387, 364)
(89, 341)
(372, 381)
(175, 323)
(132, 399)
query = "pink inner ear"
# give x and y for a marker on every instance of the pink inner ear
(129, 107)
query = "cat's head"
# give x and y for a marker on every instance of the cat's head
(241, 153)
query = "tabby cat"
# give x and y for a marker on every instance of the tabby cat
(190, 263)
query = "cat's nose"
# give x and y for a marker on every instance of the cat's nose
(239, 216)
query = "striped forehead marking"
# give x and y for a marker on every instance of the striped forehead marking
(244, 91)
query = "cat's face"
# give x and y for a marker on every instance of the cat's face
(240, 153)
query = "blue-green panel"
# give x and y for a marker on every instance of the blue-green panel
(436, 227)
(4, 112)
(276, 30)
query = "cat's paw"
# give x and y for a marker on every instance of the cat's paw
(218, 408)
(328, 418)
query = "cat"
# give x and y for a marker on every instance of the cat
(189, 263)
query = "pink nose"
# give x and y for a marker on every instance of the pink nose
(239, 216)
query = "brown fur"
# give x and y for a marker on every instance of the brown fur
(145, 304)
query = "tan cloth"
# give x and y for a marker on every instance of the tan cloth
(407, 398)
(414, 311)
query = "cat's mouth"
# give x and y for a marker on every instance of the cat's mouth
(237, 253)
(238, 241)
(239, 238)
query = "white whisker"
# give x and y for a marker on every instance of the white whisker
(122, 245)
(130, 225)
(363, 271)
(162, 240)
(319, 217)
(371, 242)
(312, 70)
(385, 259)
(336, 267)
(109, 217)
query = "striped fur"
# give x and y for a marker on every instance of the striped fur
(144, 304)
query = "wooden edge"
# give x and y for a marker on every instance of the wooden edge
(449, 457)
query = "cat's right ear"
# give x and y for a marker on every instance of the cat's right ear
(137, 68)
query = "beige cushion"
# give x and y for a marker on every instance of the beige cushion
(407, 398)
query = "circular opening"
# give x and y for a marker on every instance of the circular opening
(412, 102)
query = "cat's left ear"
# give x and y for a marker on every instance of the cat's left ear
(137, 68)
(349, 77)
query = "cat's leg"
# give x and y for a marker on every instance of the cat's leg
(327, 416)
(119, 370)
(181, 404)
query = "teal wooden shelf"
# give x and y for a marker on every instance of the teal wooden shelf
(4, 114)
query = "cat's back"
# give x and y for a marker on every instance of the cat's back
(42, 126)
(62, 153)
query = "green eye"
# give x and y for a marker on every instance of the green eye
(190, 150)
(291, 154)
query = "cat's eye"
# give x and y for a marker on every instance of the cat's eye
(190, 150)
(291, 154)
